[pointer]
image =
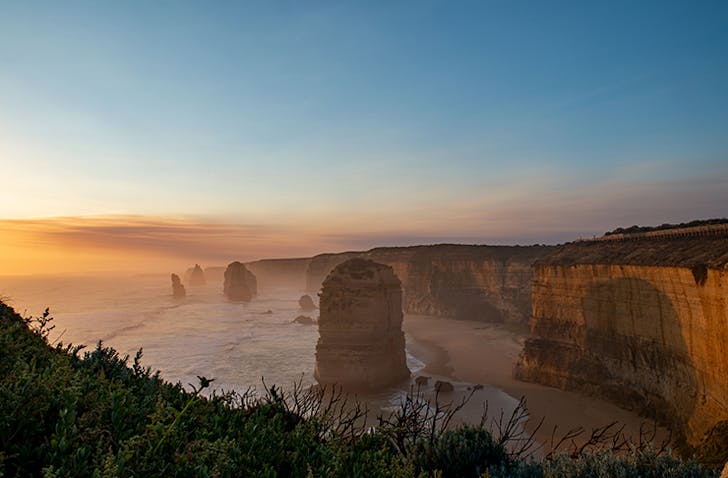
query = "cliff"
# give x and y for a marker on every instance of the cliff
(643, 323)
(361, 343)
(491, 283)
(280, 273)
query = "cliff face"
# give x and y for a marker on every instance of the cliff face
(280, 273)
(491, 283)
(644, 324)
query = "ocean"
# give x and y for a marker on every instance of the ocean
(240, 345)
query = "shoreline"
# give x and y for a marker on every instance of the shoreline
(481, 353)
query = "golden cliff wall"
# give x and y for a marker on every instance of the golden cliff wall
(644, 324)
(491, 283)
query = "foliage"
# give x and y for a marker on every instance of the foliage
(663, 227)
(602, 464)
(69, 412)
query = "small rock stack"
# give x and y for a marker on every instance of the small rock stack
(197, 276)
(178, 290)
(306, 303)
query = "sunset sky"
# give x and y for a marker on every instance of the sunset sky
(150, 134)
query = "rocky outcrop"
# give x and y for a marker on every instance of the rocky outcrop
(197, 276)
(240, 283)
(178, 290)
(443, 386)
(642, 323)
(490, 283)
(306, 303)
(361, 344)
(304, 320)
(280, 273)
(209, 275)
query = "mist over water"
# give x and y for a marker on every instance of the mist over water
(204, 334)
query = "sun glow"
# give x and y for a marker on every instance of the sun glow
(133, 243)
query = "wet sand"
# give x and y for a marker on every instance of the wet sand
(480, 353)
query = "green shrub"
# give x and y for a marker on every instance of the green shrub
(465, 452)
(606, 465)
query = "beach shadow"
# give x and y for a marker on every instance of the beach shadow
(635, 351)
(456, 294)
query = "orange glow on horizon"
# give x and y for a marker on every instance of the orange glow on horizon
(136, 243)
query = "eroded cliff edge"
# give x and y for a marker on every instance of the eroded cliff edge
(491, 283)
(643, 323)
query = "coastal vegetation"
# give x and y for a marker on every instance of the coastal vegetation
(69, 411)
(664, 227)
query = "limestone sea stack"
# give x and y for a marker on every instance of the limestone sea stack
(306, 303)
(197, 277)
(361, 343)
(178, 290)
(240, 283)
(304, 320)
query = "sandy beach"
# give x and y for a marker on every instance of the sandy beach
(479, 353)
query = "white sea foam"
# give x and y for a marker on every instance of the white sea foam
(204, 334)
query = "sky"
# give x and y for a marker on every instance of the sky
(157, 133)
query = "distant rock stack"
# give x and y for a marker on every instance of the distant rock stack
(197, 277)
(306, 303)
(178, 290)
(361, 343)
(240, 283)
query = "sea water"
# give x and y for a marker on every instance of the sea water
(240, 345)
(244, 347)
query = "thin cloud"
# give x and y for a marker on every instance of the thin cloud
(539, 212)
(158, 236)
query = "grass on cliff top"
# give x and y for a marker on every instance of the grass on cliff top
(65, 412)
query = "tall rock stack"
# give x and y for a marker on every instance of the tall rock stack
(178, 290)
(240, 283)
(197, 277)
(361, 343)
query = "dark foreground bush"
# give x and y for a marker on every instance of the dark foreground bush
(68, 414)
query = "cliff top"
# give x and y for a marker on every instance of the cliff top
(452, 251)
(669, 252)
(279, 260)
